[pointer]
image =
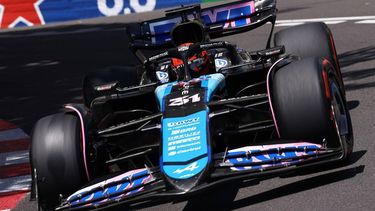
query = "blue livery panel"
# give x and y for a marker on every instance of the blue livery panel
(161, 92)
(185, 130)
(211, 83)
(184, 139)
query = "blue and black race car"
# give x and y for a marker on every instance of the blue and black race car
(197, 114)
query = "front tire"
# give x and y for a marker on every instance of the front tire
(303, 111)
(310, 40)
(56, 158)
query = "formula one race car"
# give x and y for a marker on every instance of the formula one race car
(196, 115)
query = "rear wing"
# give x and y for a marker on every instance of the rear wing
(218, 21)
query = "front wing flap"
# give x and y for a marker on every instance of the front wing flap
(241, 163)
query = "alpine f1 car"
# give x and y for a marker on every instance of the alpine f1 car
(197, 114)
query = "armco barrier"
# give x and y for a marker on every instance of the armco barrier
(18, 13)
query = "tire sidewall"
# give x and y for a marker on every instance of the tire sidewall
(293, 119)
(57, 157)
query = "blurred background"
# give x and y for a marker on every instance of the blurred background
(47, 46)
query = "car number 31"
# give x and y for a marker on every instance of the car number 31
(184, 100)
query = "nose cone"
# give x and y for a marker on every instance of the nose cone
(186, 177)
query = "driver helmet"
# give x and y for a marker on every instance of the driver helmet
(199, 63)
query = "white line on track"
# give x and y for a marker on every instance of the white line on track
(12, 158)
(333, 20)
(289, 24)
(366, 22)
(352, 18)
(15, 184)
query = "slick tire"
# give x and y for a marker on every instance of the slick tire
(123, 76)
(56, 156)
(308, 107)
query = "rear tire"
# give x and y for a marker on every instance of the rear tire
(56, 158)
(302, 109)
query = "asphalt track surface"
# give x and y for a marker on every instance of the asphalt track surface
(30, 91)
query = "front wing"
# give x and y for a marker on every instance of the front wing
(263, 161)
